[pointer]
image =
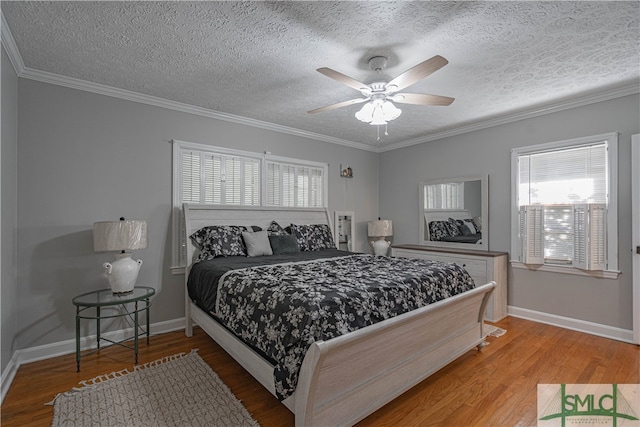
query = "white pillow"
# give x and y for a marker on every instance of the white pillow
(257, 243)
(470, 225)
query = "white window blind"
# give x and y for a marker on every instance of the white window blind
(531, 234)
(590, 237)
(567, 176)
(217, 179)
(444, 196)
(294, 185)
(191, 177)
(562, 203)
(205, 174)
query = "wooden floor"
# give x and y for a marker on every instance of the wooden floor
(492, 387)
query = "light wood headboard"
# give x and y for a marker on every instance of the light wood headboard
(198, 216)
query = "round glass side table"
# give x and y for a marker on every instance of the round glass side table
(106, 298)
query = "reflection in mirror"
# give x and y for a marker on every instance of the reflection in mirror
(453, 213)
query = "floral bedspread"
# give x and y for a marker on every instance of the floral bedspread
(281, 309)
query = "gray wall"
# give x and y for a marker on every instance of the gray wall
(608, 302)
(9, 219)
(87, 157)
(84, 157)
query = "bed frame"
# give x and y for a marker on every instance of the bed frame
(344, 379)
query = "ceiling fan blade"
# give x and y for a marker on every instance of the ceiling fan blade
(338, 105)
(421, 99)
(342, 78)
(416, 73)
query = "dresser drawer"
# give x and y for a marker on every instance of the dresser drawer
(412, 254)
(476, 268)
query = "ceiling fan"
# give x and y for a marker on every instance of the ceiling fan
(380, 94)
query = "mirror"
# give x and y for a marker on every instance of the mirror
(454, 213)
(344, 233)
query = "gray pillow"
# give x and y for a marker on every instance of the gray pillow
(257, 243)
(286, 244)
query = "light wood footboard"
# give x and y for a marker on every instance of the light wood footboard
(345, 379)
(349, 377)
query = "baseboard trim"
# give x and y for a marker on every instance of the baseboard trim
(592, 328)
(47, 351)
(8, 375)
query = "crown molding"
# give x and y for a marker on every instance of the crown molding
(605, 95)
(10, 46)
(70, 82)
(46, 77)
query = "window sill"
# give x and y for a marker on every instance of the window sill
(606, 274)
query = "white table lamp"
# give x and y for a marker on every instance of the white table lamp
(381, 229)
(123, 236)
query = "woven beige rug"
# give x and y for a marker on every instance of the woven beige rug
(179, 390)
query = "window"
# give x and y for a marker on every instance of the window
(294, 185)
(218, 179)
(444, 196)
(565, 204)
(219, 176)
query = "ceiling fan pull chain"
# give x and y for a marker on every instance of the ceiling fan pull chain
(378, 139)
(386, 129)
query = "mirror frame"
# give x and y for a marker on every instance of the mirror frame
(484, 189)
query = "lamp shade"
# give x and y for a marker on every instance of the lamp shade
(378, 112)
(382, 227)
(119, 235)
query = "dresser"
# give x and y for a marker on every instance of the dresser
(483, 266)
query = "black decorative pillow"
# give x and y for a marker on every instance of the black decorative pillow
(452, 227)
(285, 244)
(275, 229)
(438, 230)
(313, 237)
(219, 240)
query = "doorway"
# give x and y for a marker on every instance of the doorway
(635, 227)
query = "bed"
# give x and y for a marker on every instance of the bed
(344, 378)
(451, 225)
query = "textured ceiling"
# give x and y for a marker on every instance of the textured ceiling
(257, 60)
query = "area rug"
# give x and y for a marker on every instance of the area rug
(494, 331)
(179, 390)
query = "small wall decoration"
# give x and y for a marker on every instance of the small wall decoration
(346, 172)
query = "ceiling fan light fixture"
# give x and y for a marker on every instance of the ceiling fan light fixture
(391, 112)
(365, 114)
(378, 112)
(378, 117)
